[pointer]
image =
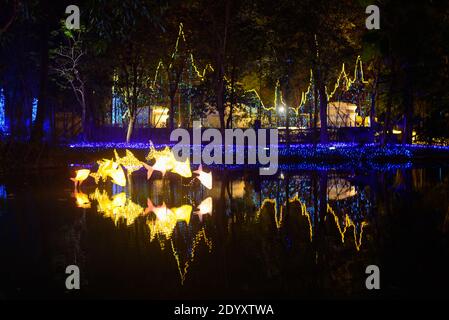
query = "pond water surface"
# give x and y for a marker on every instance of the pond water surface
(300, 234)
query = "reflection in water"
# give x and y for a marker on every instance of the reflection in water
(166, 219)
(348, 223)
(161, 226)
(82, 200)
(182, 268)
(205, 207)
(204, 177)
(2, 191)
(340, 189)
(302, 234)
(315, 199)
(119, 207)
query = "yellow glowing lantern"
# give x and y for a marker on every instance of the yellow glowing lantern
(82, 200)
(182, 168)
(204, 177)
(129, 212)
(81, 175)
(105, 167)
(205, 207)
(119, 200)
(129, 161)
(161, 212)
(118, 175)
(183, 213)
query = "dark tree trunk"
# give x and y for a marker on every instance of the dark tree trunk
(229, 122)
(220, 93)
(37, 134)
(172, 111)
(323, 195)
(174, 84)
(315, 114)
(387, 126)
(287, 114)
(407, 133)
(11, 18)
(221, 65)
(324, 138)
(372, 114)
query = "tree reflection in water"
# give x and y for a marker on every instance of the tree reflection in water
(182, 230)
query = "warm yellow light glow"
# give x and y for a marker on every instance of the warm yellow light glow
(118, 176)
(204, 208)
(128, 212)
(164, 223)
(161, 212)
(118, 200)
(304, 213)
(342, 230)
(166, 219)
(204, 177)
(104, 168)
(348, 81)
(82, 200)
(81, 175)
(348, 223)
(199, 74)
(129, 161)
(163, 164)
(201, 235)
(183, 213)
(109, 168)
(182, 168)
(278, 220)
(304, 94)
(166, 161)
(118, 208)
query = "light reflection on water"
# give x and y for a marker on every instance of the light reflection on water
(346, 206)
(299, 234)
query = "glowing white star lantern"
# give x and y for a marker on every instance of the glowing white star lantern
(163, 164)
(182, 168)
(161, 212)
(119, 200)
(204, 177)
(205, 207)
(118, 175)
